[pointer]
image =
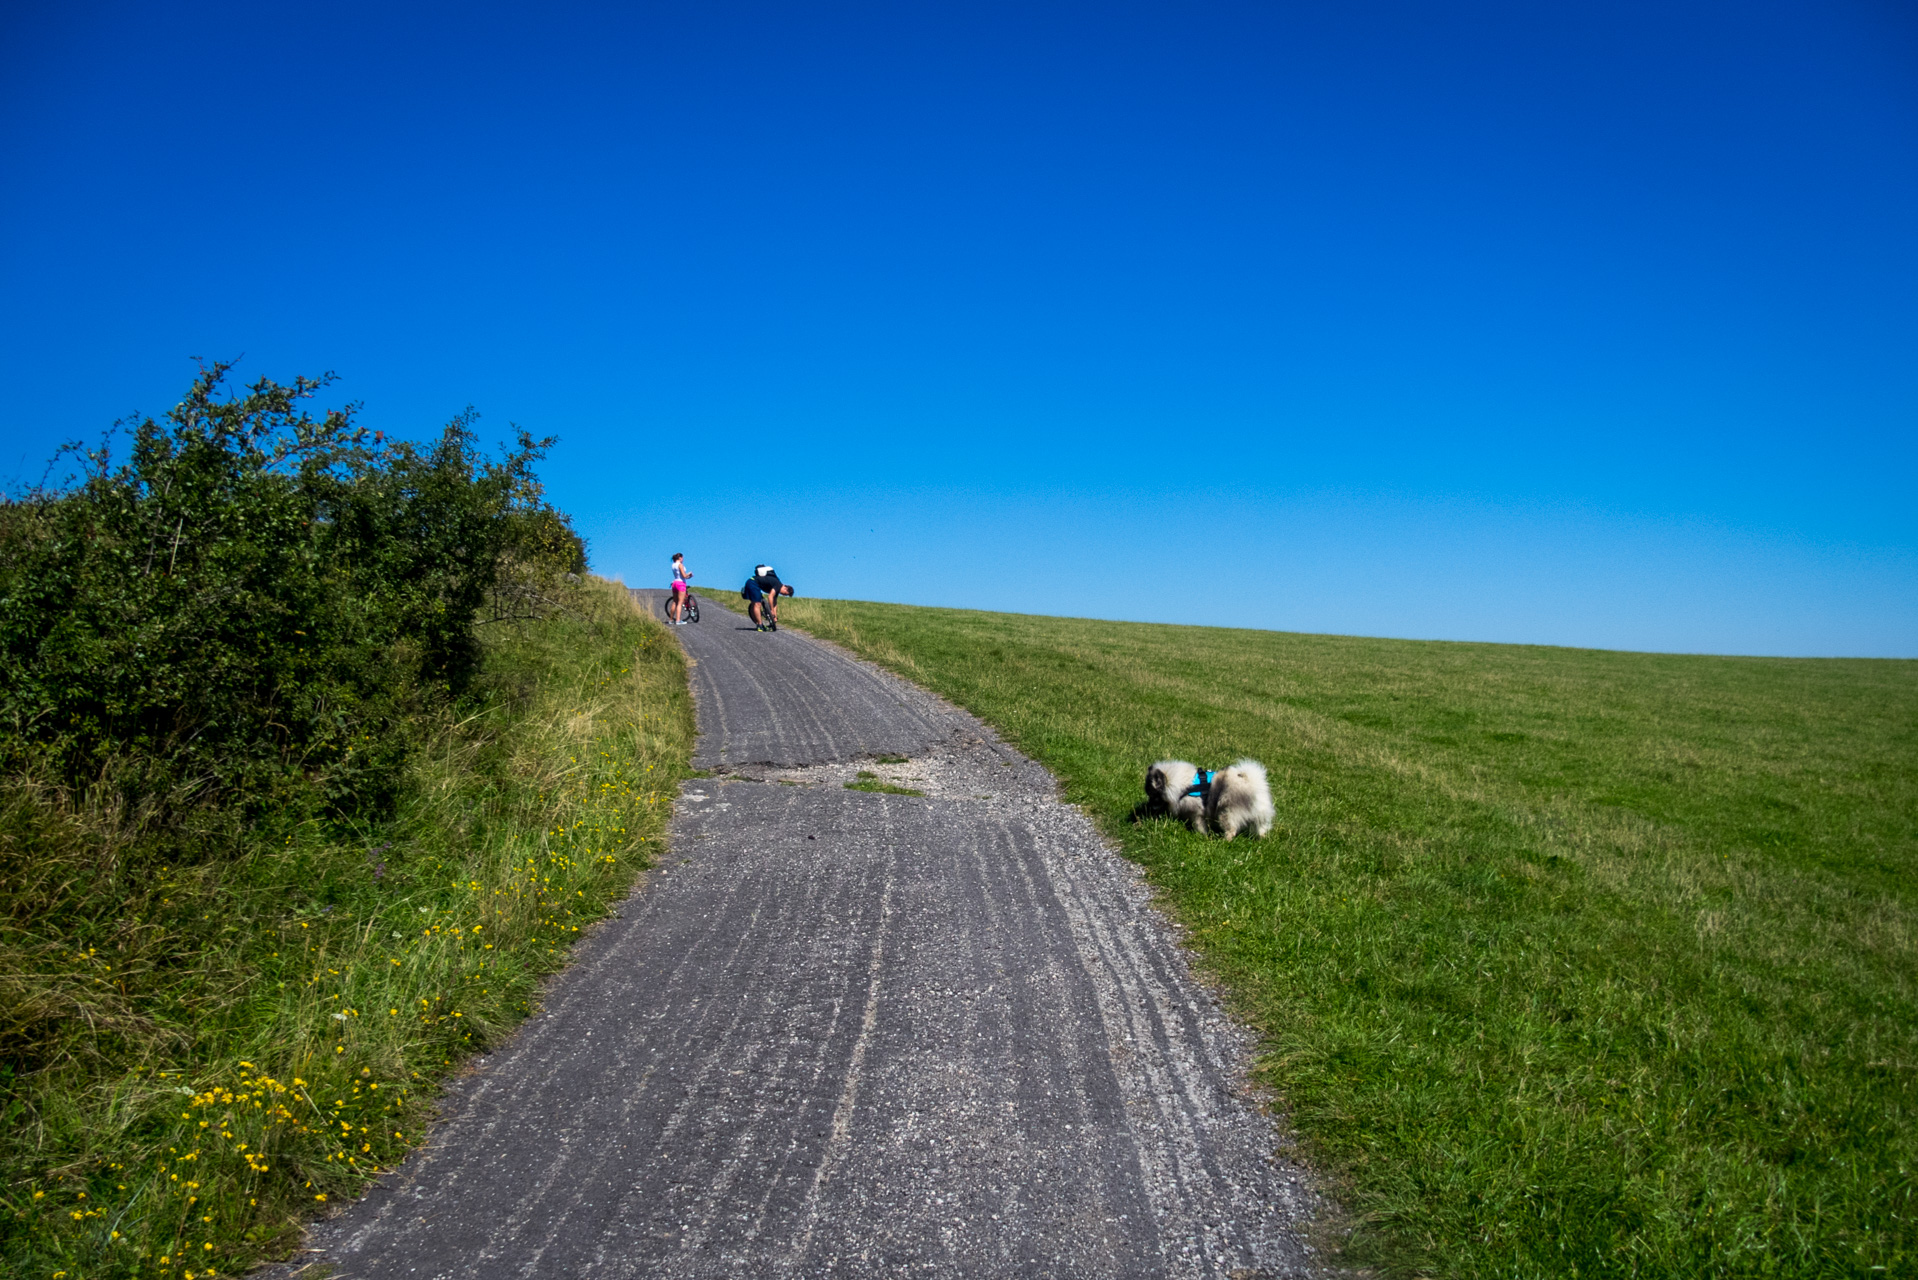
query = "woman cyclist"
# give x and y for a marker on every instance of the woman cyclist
(682, 583)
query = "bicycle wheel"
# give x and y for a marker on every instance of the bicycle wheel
(691, 608)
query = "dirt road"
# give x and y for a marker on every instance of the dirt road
(847, 1033)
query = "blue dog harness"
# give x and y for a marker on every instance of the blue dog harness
(1200, 782)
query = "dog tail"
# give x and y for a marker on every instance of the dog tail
(1250, 767)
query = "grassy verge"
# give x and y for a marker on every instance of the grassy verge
(1567, 962)
(253, 1039)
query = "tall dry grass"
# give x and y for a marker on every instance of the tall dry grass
(200, 1053)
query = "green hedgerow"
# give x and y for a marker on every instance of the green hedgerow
(248, 608)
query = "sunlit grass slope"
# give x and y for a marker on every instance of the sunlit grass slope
(253, 1039)
(1568, 962)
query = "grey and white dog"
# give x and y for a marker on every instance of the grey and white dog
(1239, 799)
(1169, 789)
(1233, 800)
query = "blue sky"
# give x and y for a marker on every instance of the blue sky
(1590, 325)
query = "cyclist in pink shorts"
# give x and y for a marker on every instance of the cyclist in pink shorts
(682, 583)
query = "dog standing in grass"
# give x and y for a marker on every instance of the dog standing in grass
(1232, 800)
(1177, 787)
(1238, 799)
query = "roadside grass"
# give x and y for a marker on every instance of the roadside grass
(255, 1040)
(1566, 962)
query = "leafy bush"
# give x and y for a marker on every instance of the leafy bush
(247, 609)
(274, 749)
(255, 615)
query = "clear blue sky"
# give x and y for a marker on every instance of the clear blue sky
(1590, 324)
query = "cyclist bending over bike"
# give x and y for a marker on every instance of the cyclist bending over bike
(762, 592)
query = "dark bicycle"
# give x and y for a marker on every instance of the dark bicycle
(688, 612)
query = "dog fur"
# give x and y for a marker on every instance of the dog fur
(1166, 783)
(1239, 798)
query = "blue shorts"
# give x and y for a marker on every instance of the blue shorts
(754, 594)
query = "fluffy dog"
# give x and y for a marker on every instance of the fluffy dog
(1239, 798)
(1168, 785)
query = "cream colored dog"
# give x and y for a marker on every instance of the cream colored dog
(1239, 798)
(1168, 789)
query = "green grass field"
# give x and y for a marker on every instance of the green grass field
(1567, 963)
(245, 1040)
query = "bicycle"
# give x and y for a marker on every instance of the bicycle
(688, 612)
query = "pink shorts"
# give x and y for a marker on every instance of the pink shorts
(679, 587)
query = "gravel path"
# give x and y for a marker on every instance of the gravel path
(842, 1033)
